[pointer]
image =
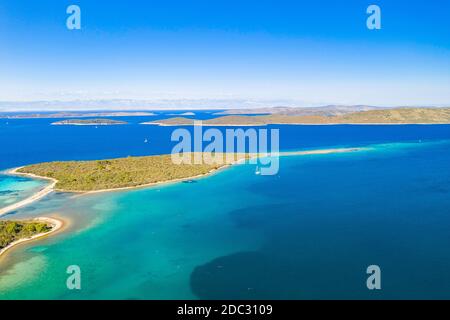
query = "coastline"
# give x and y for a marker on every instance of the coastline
(57, 225)
(153, 184)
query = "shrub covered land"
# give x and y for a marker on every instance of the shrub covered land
(124, 172)
(11, 231)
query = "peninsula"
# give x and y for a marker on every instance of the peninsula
(133, 172)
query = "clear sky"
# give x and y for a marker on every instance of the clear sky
(313, 52)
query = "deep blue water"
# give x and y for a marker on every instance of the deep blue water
(308, 232)
(26, 141)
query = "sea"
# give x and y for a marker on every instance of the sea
(311, 231)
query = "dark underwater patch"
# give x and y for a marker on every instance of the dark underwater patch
(244, 275)
(8, 192)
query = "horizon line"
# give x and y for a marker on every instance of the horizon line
(179, 104)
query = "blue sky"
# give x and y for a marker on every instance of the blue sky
(309, 52)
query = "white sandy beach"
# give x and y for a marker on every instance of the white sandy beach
(323, 151)
(39, 195)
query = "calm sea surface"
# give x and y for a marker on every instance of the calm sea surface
(308, 232)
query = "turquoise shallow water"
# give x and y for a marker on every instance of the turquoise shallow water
(308, 232)
(13, 189)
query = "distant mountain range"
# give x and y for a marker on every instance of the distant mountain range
(326, 111)
(74, 115)
(236, 106)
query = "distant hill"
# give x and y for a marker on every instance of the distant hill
(75, 115)
(330, 110)
(373, 116)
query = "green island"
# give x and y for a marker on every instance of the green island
(11, 231)
(99, 175)
(91, 122)
(373, 116)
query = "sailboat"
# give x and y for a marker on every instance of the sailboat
(257, 171)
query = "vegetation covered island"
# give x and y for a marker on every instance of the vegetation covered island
(100, 175)
(12, 231)
(89, 122)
